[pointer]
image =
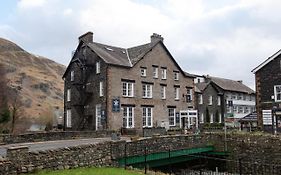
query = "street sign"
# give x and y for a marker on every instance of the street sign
(267, 117)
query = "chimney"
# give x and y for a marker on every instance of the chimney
(156, 37)
(87, 37)
(240, 81)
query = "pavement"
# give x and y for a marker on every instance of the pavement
(51, 145)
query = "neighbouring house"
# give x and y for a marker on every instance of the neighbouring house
(108, 87)
(223, 100)
(268, 91)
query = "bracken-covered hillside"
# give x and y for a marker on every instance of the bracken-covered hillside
(38, 80)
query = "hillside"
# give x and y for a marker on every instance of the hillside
(38, 80)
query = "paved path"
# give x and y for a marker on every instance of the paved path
(49, 145)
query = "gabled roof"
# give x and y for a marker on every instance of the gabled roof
(231, 85)
(126, 57)
(201, 86)
(272, 57)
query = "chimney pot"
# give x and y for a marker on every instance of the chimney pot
(87, 37)
(239, 81)
(156, 37)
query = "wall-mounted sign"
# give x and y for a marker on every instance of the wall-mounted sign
(116, 105)
(267, 117)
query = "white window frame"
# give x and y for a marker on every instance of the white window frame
(200, 101)
(147, 117)
(127, 89)
(210, 102)
(219, 100)
(147, 90)
(176, 75)
(143, 72)
(68, 118)
(163, 92)
(101, 89)
(177, 93)
(155, 72)
(163, 73)
(97, 67)
(98, 116)
(211, 118)
(277, 93)
(127, 117)
(202, 118)
(68, 95)
(220, 119)
(72, 75)
(172, 116)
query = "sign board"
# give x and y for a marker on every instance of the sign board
(116, 105)
(267, 117)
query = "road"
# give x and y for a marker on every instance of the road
(50, 145)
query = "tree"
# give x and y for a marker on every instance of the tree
(15, 108)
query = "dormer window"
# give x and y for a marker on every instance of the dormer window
(143, 71)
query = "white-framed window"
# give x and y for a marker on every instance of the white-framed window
(72, 75)
(98, 116)
(128, 117)
(246, 109)
(68, 118)
(147, 91)
(235, 109)
(101, 89)
(143, 71)
(211, 118)
(147, 116)
(210, 100)
(202, 118)
(219, 100)
(128, 89)
(240, 109)
(220, 119)
(163, 92)
(172, 116)
(277, 93)
(97, 67)
(68, 95)
(189, 95)
(177, 93)
(164, 73)
(155, 72)
(200, 99)
(228, 109)
(176, 75)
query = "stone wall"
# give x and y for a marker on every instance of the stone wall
(48, 136)
(260, 150)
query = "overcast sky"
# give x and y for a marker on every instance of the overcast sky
(225, 38)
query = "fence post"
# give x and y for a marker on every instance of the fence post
(125, 150)
(145, 154)
(240, 166)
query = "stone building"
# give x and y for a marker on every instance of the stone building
(268, 90)
(108, 87)
(220, 100)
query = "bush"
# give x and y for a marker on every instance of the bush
(5, 116)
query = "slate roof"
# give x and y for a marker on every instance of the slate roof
(250, 117)
(231, 85)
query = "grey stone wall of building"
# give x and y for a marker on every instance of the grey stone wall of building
(214, 109)
(266, 78)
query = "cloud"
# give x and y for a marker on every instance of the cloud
(221, 38)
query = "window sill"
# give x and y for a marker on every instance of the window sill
(128, 96)
(146, 97)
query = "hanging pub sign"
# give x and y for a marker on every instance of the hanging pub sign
(116, 105)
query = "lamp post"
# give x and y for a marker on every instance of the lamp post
(274, 129)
